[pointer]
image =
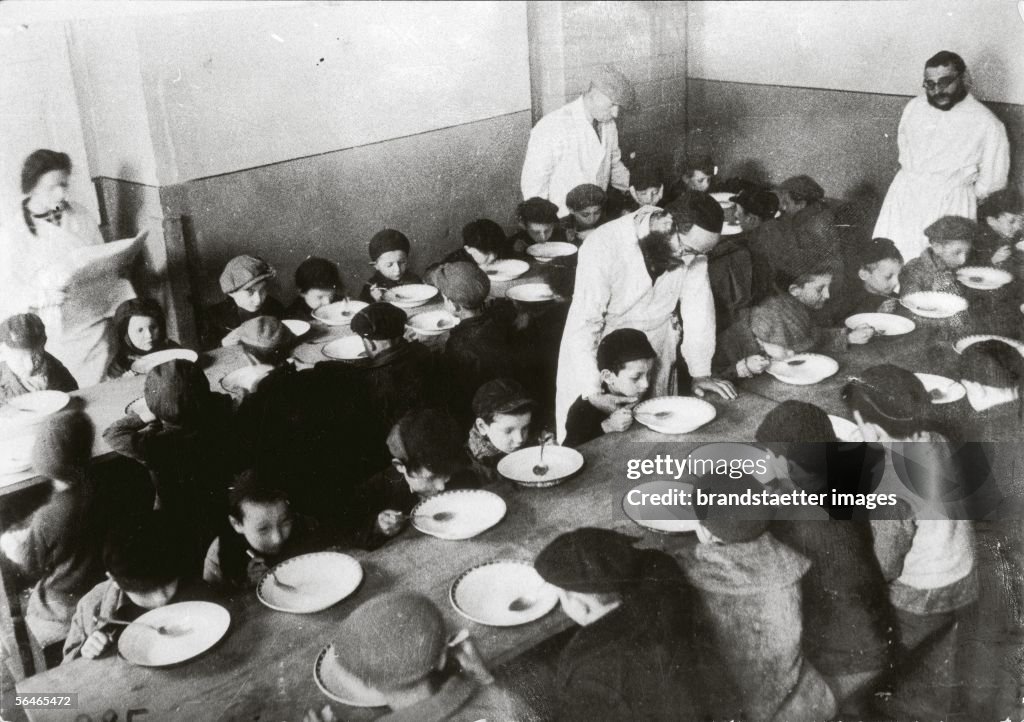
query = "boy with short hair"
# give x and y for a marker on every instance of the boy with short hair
(504, 416)
(318, 282)
(695, 176)
(389, 255)
(25, 366)
(144, 572)
(646, 187)
(538, 223)
(1001, 218)
(876, 287)
(483, 242)
(950, 240)
(245, 281)
(625, 358)
(586, 203)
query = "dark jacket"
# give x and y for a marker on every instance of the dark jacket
(298, 310)
(927, 272)
(384, 282)
(58, 378)
(218, 320)
(583, 423)
(227, 560)
(797, 243)
(731, 273)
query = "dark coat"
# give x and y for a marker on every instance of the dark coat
(731, 273)
(384, 282)
(58, 378)
(798, 243)
(583, 423)
(218, 320)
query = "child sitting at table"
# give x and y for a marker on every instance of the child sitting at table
(950, 240)
(586, 203)
(992, 372)
(892, 404)
(245, 281)
(483, 242)
(625, 358)
(268, 345)
(389, 255)
(318, 283)
(25, 366)
(646, 187)
(538, 223)
(698, 171)
(633, 657)
(59, 546)
(736, 283)
(144, 571)
(141, 328)
(1001, 220)
(265, 532)
(504, 416)
(877, 264)
(750, 602)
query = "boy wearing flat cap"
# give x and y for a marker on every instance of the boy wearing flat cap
(389, 255)
(504, 423)
(245, 281)
(25, 366)
(950, 241)
(631, 658)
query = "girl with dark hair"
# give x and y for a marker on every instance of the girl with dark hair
(141, 329)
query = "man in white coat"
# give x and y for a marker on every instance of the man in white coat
(579, 143)
(634, 272)
(953, 152)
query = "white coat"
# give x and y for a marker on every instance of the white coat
(564, 152)
(614, 290)
(948, 160)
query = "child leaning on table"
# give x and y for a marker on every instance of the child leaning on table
(25, 366)
(504, 417)
(625, 358)
(483, 242)
(876, 282)
(1001, 221)
(141, 328)
(950, 240)
(389, 255)
(145, 571)
(318, 282)
(538, 223)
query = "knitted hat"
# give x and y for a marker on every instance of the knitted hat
(462, 282)
(583, 196)
(802, 188)
(992, 363)
(698, 209)
(761, 203)
(63, 446)
(732, 523)
(379, 322)
(952, 228)
(266, 332)
(614, 84)
(391, 641)
(241, 272)
(316, 273)
(622, 346)
(176, 391)
(591, 561)
(386, 241)
(795, 421)
(24, 331)
(1008, 200)
(538, 210)
(501, 396)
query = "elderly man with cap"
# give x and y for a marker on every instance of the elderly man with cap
(631, 659)
(953, 151)
(579, 143)
(245, 282)
(633, 273)
(25, 366)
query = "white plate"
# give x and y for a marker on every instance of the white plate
(33, 407)
(934, 304)
(731, 229)
(506, 270)
(545, 252)
(144, 364)
(884, 324)
(845, 429)
(341, 686)
(814, 368)
(322, 579)
(410, 296)
(473, 511)
(941, 389)
(682, 414)
(685, 517)
(730, 451)
(348, 348)
(966, 341)
(484, 592)
(195, 627)
(16, 454)
(339, 313)
(531, 293)
(983, 278)
(139, 408)
(723, 197)
(562, 462)
(299, 328)
(432, 323)
(245, 379)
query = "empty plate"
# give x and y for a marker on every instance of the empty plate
(193, 627)
(339, 313)
(941, 389)
(934, 304)
(545, 252)
(34, 406)
(983, 278)
(139, 408)
(432, 323)
(459, 514)
(884, 324)
(506, 270)
(716, 458)
(845, 429)
(339, 685)
(803, 369)
(966, 341)
(245, 379)
(299, 328)
(485, 592)
(531, 293)
(674, 517)
(348, 348)
(310, 582)
(674, 414)
(144, 364)
(731, 229)
(410, 296)
(521, 466)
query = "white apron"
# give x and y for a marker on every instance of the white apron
(948, 160)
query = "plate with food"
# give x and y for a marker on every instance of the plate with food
(432, 323)
(803, 369)
(674, 414)
(310, 582)
(547, 252)
(934, 304)
(174, 633)
(540, 466)
(143, 364)
(983, 278)
(348, 348)
(339, 313)
(502, 594)
(883, 324)
(458, 514)
(409, 296)
(506, 269)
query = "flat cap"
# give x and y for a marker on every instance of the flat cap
(583, 196)
(266, 332)
(379, 322)
(762, 204)
(952, 228)
(614, 84)
(462, 282)
(241, 272)
(591, 561)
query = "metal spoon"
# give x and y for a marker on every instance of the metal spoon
(344, 309)
(273, 575)
(440, 516)
(540, 469)
(159, 630)
(797, 361)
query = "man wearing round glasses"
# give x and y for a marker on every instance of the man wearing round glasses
(953, 152)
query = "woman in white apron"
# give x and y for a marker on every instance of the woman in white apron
(37, 242)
